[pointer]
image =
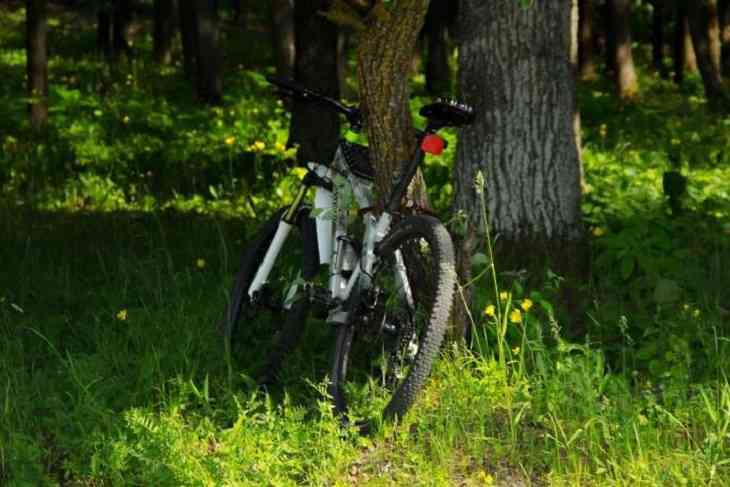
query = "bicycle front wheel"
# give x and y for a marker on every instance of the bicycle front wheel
(264, 327)
(383, 357)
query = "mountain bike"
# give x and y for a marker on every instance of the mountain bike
(388, 293)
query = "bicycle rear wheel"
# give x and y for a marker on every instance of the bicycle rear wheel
(383, 357)
(265, 327)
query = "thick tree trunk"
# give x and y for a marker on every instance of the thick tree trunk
(315, 129)
(164, 30)
(684, 54)
(659, 17)
(438, 74)
(209, 56)
(385, 54)
(627, 85)
(725, 36)
(282, 17)
(586, 62)
(37, 61)
(705, 30)
(517, 65)
(189, 37)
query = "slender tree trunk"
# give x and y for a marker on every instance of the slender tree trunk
(705, 30)
(610, 37)
(282, 17)
(725, 36)
(438, 73)
(586, 62)
(684, 54)
(189, 36)
(518, 65)
(209, 56)
(657, 37)
(383, 76)
(37, 61)
(122, 16)
(164, 31)
(104, 33)
(316, 130)
(627, 85)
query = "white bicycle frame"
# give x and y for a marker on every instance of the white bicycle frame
(332, 219)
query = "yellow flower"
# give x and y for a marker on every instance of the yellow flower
(489, 310)
(280, 147)
(122, 315)
(516, 350)
(598, 231)
(125, 119)
(230, 140)
(485, 478)
(526, 304)
(200, 263)
(504, 295)
(515, 316)
(258, 146)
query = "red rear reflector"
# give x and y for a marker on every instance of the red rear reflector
(433, 144)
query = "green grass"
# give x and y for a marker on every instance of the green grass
(120, 230)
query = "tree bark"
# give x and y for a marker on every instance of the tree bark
(316, 130)
(209, 56)
(684, 54)
(586, 62)
(438, 73)
(164, 30)
(282, 17)
(610, 37)
(37, 61)
(518, 67)
(705, 31)
(189, 37)
(627, 85)
(385, 54)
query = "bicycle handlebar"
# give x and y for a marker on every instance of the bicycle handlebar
(293, 89)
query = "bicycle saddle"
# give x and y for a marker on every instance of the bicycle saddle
(448, 113)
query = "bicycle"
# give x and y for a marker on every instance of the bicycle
(389, 293)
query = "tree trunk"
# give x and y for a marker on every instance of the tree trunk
(517, 65)
(37, 61)
(385, 54)
(122, 16)
(725, 36)
(282, 17)
(104, 33)
(684, 54)
(657, 37)
(627, 85)
(705, 30)
(315, 129)
(209, 56)
(438, 73)
(164, 31)
(610, 37)
(586, 63)
(189, 37)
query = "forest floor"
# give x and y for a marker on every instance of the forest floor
(120, 231)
